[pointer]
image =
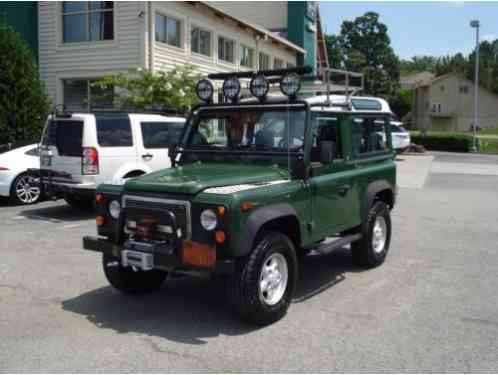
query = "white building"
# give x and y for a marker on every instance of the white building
(84, 41)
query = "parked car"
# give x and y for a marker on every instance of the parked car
(400, 137)
(255, 185)
(15, 182)
(79, 151)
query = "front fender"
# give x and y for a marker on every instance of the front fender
(372, 190)
(255, 222)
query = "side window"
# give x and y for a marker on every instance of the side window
(160, 134)
(114, 132)
(369, 135)
(326, 129)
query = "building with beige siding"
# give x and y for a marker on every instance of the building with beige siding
(447, 103)
(83, 41)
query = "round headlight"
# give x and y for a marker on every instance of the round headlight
(205, 90)
(290, 84)
(114, 209)
(231, 88)
(209, 219)
(259, 86)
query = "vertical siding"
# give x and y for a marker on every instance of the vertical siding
(89, 59)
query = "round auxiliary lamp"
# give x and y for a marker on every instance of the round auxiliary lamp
(231, 89)
(259, 86)
(205, 90)
(290, 84)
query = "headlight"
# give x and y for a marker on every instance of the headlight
(208, 219)
(114, 209)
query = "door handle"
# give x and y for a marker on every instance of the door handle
(343, 190)
(147, 156)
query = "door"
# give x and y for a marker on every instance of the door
(330, 183)
(156, 138)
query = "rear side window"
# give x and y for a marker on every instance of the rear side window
(369, 135)
(161, 134)
(65, 135)
(366, 105)
(114, 131)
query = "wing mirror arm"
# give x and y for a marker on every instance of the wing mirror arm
(172, 153)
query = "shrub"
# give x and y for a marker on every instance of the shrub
(444, 142)
(24, 105)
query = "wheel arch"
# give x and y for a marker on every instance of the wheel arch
(378, 190)
(271, 218)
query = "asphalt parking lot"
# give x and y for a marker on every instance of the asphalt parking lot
(433, 306)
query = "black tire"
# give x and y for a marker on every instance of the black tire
(81, 203)
(244, 286)
(363, 251)
(28, 195)
(126, 280)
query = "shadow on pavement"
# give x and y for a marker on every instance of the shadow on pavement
(58, 212)
(189, 310)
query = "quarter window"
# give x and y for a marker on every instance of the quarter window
(226, 49)
(200, 41)
(246, 56)
(369, 135)
(160, 134)
(87, 21)
(114, 132)
(325, 129)
(167, 30)
(264, 61)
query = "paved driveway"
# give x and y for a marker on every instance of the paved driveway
(431, 307)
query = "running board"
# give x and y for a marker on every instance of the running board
(327, 247)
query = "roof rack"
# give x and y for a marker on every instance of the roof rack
(60, 110)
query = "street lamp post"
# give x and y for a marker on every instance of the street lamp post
(475, 24)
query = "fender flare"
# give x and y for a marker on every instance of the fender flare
(260, 217)
(372, 190)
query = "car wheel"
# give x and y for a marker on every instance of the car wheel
(81, 203)
(372, 249)
(261, 289)
(127, 280)
(24, 191)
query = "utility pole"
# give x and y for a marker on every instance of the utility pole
(475, 24)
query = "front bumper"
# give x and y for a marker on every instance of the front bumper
(166, 258)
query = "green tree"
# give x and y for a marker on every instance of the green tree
(141, 89)
(364, 46)
(401, 103)
(418, 64)
(334, 51)
(24, 105)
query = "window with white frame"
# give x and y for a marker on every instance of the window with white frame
(264, 61)
(200, 41)
(168, 30)
(87, 21)
(246, 56)
(80, 94)
(278, 63)
(226, 50)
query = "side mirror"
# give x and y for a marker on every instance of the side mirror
(327, 150)
(172, 152)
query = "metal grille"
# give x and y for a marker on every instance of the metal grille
(181, 209)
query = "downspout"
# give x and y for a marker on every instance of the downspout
(151, 36)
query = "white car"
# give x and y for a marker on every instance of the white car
(80, 151)
(400, 136)
(15, 183)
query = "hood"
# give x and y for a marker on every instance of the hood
(194, 178)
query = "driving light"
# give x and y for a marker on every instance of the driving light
(208, 219)
(205, 90)
(114, 209)
(290, 84)
(259, 86)
(231, 88)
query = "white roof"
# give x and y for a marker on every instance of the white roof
(340, 100)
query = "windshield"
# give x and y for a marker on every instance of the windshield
(248, 129)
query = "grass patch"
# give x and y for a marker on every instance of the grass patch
(490, 131)
(456, 141)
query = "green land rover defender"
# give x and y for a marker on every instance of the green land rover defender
(256, 184)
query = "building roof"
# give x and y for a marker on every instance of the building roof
(417, 79)
(265, 33)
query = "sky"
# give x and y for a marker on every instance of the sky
(420, 28)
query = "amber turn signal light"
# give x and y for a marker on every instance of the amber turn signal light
(100, 220)
(221, 211)
(245, 206)
(99, 198)
(220, 236)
